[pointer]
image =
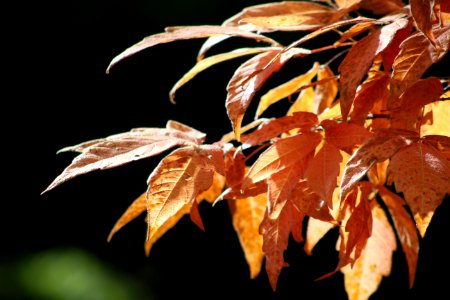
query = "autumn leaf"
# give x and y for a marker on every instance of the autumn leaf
(345, 136)
(247, 215)
(382, 7)
(405, 227)
(310, 203)
(249, 78)
(211, 194)
(286, 89)
(274, 127)
(421, 11)
(439, 124)
(315, 231)
(281, 155)
(123, 148)
(184, 33)
(422, 174)
(416, 55)
(363, 279)
(325, 92)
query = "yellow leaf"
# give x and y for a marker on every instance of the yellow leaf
(304, 102)
(441, 115)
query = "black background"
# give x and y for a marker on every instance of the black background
(60, 96)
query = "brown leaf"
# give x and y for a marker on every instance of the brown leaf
(281, 155)
(390, 53)
(405, 227)
(443, 7)
(322, 172)
(363, 279)
(416, 55)
(138, 207)
(309, 203)
(382, 146)
(286, 89)
(422, 174)
(424, 91)
(248, 79)
(213, 60)
(123, 148)
(235, 167)
(382, 7)
(274, 127)
(211, 194)
(247, 215)
(184, 33)
(421, 11)
(276, 237)
(345, 136)
(359, 59)
(174, 185)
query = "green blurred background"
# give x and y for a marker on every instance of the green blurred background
(53, 246)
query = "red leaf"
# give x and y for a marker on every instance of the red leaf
(274, 127)
(422, 173)
(390, 53)
(345, 136)
(382, 7)
(405, 227)
(408, 116)
(309, 203)
(123, 148)
(322, 172)
(234, 167)
(195, 216)
(248, 79)
(421, 11)
(184, 33)
(281, 155)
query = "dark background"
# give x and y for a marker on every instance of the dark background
(60, 96)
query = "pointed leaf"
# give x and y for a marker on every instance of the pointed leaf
(390, 53)
(422, 174)
(305, 102)
(315, 231)
(416, 55)
(322, 172)
(195, 216)
(211, 61)
(120, 149)
(248, 79)
(326, 92)
(422, 11)
(309, 203)
(286, 89)
(211, 194)
(345, 136)
(405, 227)
(274, 127)
(247, 215)
(281, 155)
(183, 33)
(363, 279)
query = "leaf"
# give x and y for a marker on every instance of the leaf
(444, 11)
(247, 215)
(195, 216)
(352, 32)
(276, 237)
(214, 190)
(421, 11)
(345, 136)
(305, 102)
(315, 231)
(286, 89)
(361, 55)
(382, 146)
(248, 79)
(405, 227)
(322, 172)
(173, 187)
(416, 55)
(138, 207)
(309, 203)
(424, 91)
(422, 174)
(213, 60)
(371, 91)
(390, 53)
(382, 7)
(326, 92)
(123, 148)
(281, 155)
(440, 116)
(363, 279)
(184, 33)
(235, 167)
(274, 127)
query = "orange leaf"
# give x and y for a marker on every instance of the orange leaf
(281, 155)
(174, 185)
(363, 279)
(440, 116)
(322, 172)
(405, 227)
(123, 148)
(382, 7)
(133, 211)
(247, 215)
(248, 79)
(213, 60)
(184, 33)
(416, 55)
(305, 102)
(326, 92)
(286, 89)
(390, 53)
(235, 167)
(274, 127)
(315, 231)
(421, 11)
(345, 136)
(382, 146)
(378, 173)
(422, 173)
(359, 59)
(276, 237)
(215, 189)
(408, 116)
(444, 11)
(195, 216)
(309, 203)
(352, 32)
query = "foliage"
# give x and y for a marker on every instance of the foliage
(360, 145)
